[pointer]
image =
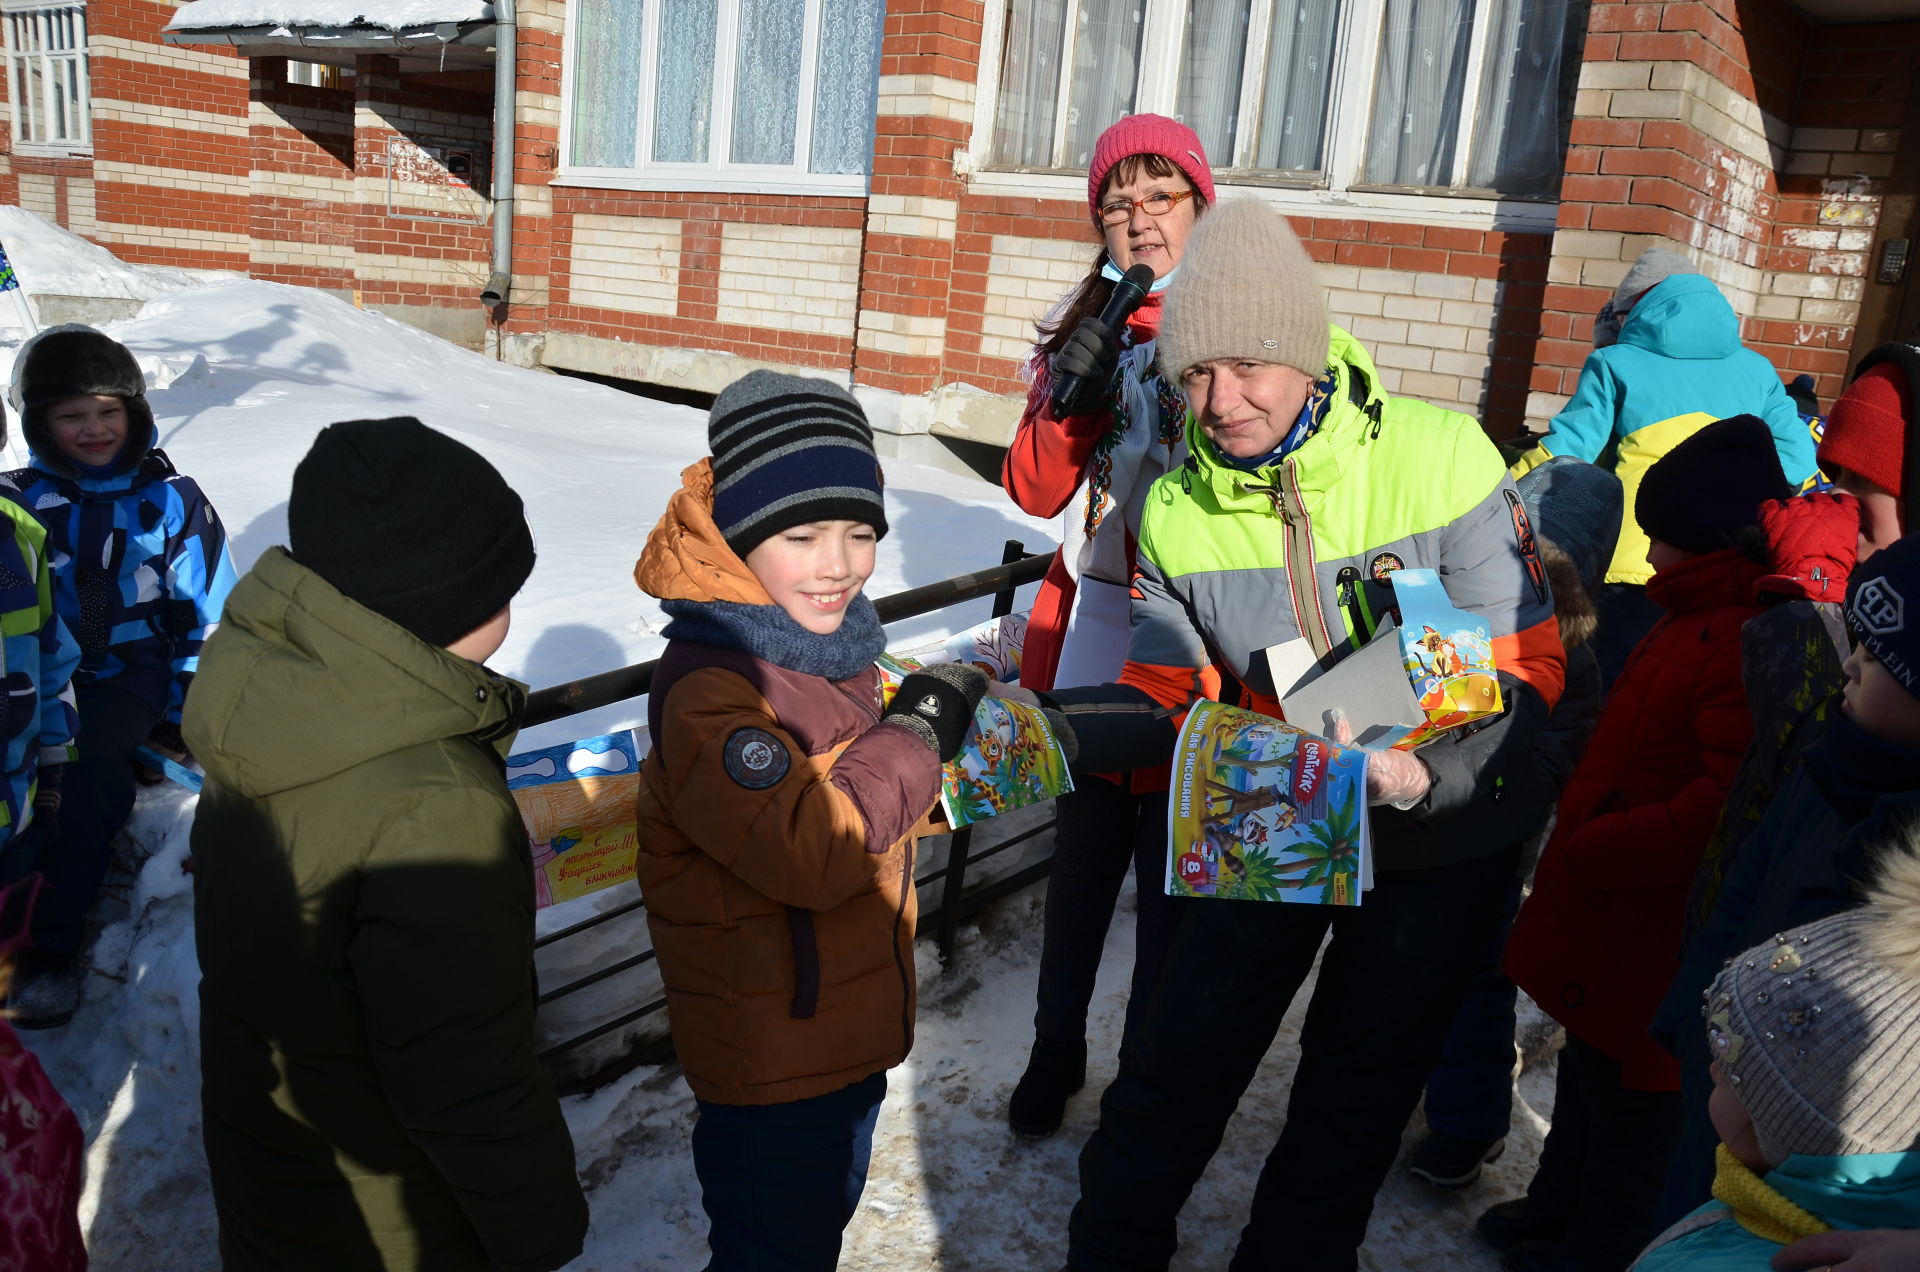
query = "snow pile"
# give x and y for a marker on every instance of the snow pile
(394, 15)
(51, 262)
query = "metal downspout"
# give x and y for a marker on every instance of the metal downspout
(505, 67)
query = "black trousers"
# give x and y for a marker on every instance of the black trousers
(1605, 1160)
(1101, 830)
(1392, 979)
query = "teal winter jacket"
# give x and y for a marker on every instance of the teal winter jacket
(1677, 367)
(1875, 1190)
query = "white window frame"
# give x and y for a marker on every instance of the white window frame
(73, 63)
(719, 175)
(1337, 190)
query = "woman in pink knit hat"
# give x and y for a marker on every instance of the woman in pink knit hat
(1147, 185)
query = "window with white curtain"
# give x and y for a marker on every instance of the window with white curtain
(46, 46)
(1432, 96)
(723, 94)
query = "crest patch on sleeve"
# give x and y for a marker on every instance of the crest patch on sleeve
(756, 759)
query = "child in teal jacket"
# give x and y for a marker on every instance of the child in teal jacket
(1815, 1035)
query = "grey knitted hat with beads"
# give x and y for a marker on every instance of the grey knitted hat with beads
(1818, 1029)
(1246, 288)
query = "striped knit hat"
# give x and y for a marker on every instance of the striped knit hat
(1818, 1029)
(789, 450)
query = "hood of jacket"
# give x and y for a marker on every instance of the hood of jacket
(300, 683)
(686, 559)
(1685, 316)
(1866, 1190)
(1322, 457)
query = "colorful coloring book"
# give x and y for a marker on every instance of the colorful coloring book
(1448, 655)
(1010, 758)
(1263, 811)
(579, 801)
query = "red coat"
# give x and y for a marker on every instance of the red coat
(1045, 466)
(1598, 941)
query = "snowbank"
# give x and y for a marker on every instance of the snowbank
(51, 262)
(393, 15)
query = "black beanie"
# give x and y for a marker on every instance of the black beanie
(1707, 489)
(72, 361)
(789, 450)
(1878, 593)
(413, 525)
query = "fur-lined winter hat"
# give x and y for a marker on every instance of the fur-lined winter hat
(1818, 1029)
(73, 360)
(1577, 506)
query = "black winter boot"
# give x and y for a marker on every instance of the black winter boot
(1054, 1071)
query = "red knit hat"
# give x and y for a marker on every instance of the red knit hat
(1148, 135)
(1867, 427)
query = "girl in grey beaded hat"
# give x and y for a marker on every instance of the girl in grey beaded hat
(1815, 1036)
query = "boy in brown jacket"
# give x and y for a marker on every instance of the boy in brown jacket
(777, 814)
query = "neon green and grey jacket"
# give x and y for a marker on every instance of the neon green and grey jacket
(1677, 367)
(1232, 563)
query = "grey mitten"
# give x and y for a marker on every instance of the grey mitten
(1063, 734)
(937, 703)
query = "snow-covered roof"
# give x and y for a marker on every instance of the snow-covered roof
(391, 15)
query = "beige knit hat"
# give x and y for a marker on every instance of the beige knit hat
(1818, 1029)
(1245, 289)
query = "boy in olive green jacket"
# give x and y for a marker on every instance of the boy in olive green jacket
(364, 891)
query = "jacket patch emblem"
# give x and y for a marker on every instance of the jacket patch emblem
(1529, 546)
(1384, 565)
(1878, 609)
(756, 759)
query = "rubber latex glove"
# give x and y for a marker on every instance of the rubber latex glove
(1399, 778)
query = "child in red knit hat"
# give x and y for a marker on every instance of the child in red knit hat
(1866, 449)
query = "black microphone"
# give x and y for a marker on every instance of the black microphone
(1127, 295)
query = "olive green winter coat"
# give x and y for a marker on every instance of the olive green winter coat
(364, 915)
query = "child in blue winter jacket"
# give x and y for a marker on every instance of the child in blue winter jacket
(37, 659)
(141, 571)
(1815, 1037)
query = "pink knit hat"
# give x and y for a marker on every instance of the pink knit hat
(1148, 135)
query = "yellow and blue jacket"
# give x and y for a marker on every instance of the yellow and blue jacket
(1677, 367)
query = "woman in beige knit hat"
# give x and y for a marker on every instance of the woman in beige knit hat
(1091, 464)
(1307, 485)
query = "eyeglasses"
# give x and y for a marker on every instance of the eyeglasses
(1159, 203)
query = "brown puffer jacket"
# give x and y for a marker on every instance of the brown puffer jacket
(777, 823)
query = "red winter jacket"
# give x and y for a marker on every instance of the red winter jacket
(1598, 941)
(1046, 464)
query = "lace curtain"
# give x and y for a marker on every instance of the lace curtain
(847, 85)
(606, 79)
(683, 97)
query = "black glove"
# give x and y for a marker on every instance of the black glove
(46, 801)
(1092, 353)
(937, 704)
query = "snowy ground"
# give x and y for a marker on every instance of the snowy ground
(243, 374)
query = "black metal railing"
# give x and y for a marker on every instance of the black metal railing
(957, 904)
